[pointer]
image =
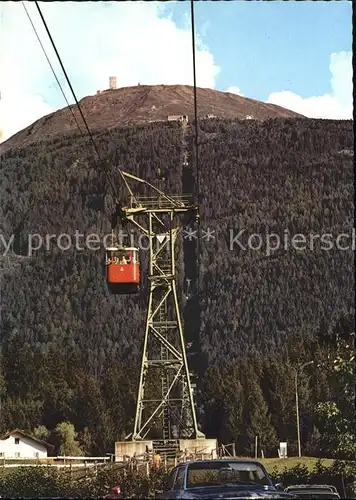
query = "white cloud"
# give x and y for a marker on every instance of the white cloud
(18, 110)
(133, 40)
(234, 90)
(336, 105)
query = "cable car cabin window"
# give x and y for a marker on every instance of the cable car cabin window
(122, 270)
(122, 257)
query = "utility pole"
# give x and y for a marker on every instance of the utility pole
(297, 410)
(297, 405)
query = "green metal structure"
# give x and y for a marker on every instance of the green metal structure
(165, 403)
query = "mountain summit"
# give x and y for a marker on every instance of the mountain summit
(142, 104)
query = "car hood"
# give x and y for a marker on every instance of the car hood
(232, 492)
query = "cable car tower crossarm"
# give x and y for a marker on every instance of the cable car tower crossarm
(164, 345)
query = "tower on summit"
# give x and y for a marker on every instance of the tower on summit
(112, 82)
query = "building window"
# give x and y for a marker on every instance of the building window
(17, 440)
(17, 455)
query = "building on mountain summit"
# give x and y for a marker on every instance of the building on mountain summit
(177, 118)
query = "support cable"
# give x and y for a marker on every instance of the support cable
(76, 101)
(197, 186)
(54, 73)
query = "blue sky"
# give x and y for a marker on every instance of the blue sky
(269, 46)
(296, 54)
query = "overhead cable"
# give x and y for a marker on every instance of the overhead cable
(197, 186)
(76, 100)
(50, 65)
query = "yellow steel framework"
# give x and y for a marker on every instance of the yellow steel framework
(164, 365)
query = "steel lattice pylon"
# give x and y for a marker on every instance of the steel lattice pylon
(164, 362)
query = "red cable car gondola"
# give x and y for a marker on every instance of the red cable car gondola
(123, 269)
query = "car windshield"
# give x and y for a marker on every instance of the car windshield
(226, 473)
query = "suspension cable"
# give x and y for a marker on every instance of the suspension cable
(76, 101)
(195, 100)
(197, 187)
(54, 73)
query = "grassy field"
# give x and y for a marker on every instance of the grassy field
(280, 463)
(269, 463)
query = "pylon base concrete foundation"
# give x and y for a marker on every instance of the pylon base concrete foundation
(200, 447)
(188, 448)
(129, 449)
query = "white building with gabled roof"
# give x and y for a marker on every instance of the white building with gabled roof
(19, 444)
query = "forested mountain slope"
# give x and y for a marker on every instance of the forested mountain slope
(264, 177)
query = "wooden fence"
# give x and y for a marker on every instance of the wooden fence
(58, 462)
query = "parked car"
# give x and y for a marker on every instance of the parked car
(221, 479)
(313, 491)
